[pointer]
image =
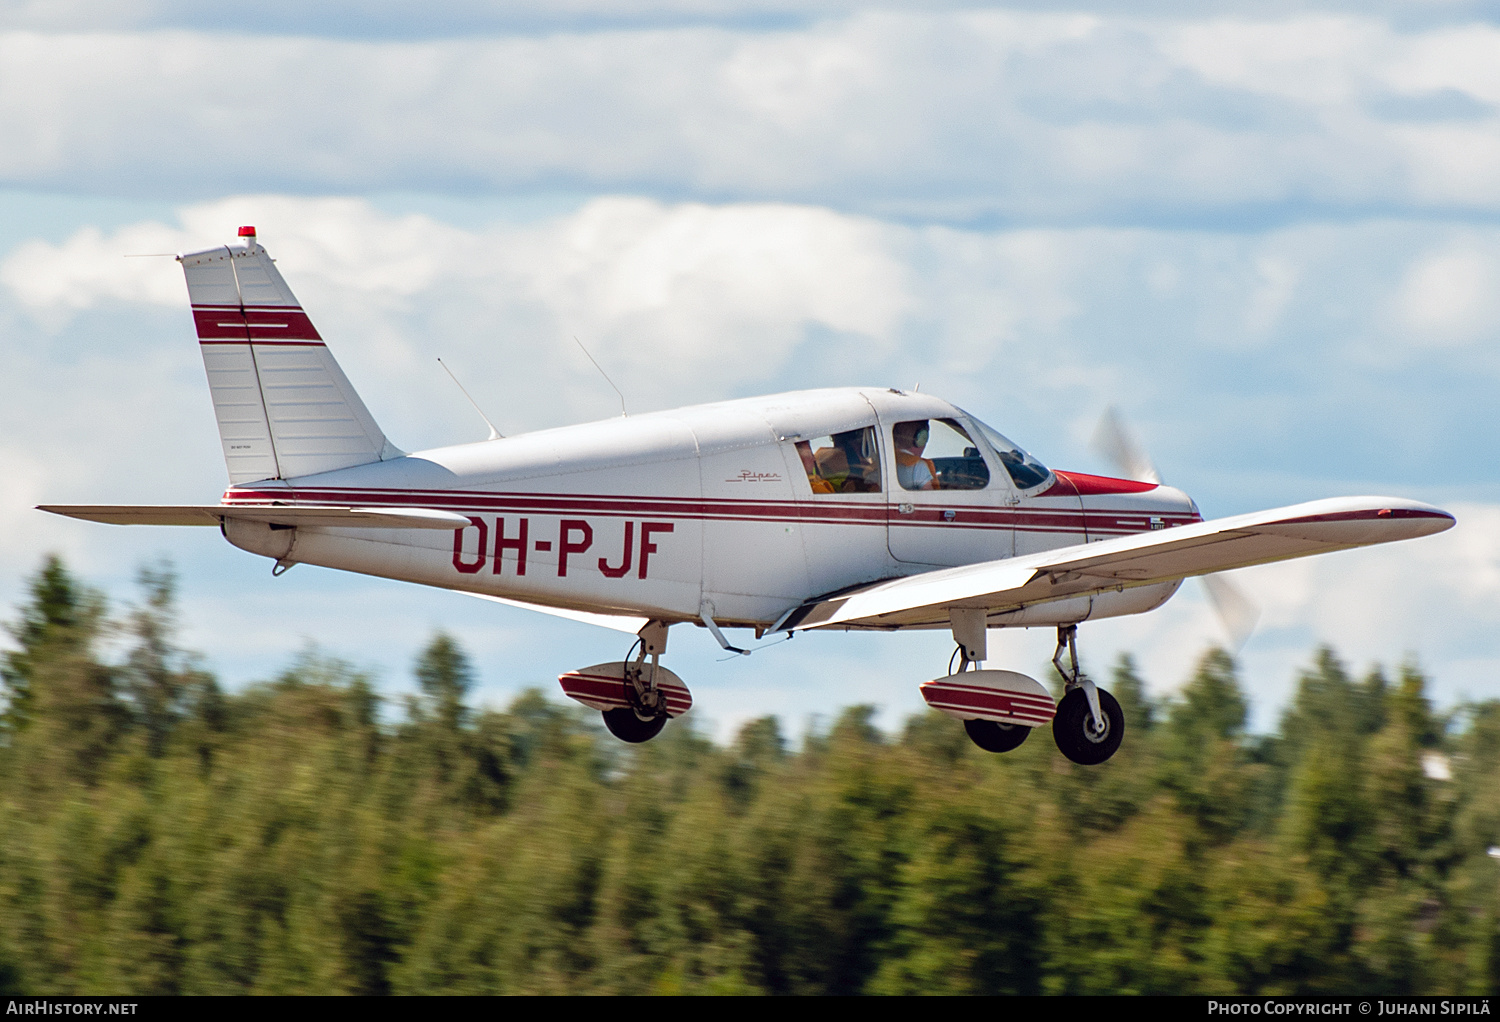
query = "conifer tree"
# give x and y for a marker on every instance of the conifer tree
(57, 688)
(445, 677)
(162, 684)
(60, 616)
(286, 837)
(1205, 760)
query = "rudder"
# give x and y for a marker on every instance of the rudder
(284, 407)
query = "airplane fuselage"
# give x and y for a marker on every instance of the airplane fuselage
(716, 507)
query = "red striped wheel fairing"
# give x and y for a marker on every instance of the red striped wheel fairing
(960, 697)
(602, 691)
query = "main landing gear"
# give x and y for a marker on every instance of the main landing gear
(1088, 725)
(989, 735)
(636, 698)
(1000, 709)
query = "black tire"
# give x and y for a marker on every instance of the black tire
(627, 727)
(1074, 738)
(992, 736)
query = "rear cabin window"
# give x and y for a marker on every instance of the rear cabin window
(937, 454)
(847, 462)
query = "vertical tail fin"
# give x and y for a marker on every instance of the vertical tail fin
(284, 406)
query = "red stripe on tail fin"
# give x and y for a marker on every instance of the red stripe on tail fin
(216, 323)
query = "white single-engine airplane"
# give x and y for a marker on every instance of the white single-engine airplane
(856, 508)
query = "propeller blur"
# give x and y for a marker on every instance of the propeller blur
(1236, 611)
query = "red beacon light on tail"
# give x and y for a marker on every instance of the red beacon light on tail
(247, 232)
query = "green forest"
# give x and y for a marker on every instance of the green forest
(161, 835)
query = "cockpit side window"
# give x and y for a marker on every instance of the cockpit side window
(937, 454)
(847, 462)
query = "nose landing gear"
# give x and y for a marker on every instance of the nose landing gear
(1089, 724)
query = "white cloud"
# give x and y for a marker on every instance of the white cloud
(948, 114)
(732, 287)
(1466, 59)
(690, 301)
(1318, 59)
(89, 269)
(1451, 297)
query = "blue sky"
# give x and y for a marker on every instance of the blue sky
(1270, 233)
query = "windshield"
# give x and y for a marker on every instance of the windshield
(1025, 470)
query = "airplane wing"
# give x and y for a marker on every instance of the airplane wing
(275, 514)
(1319, 526)
(618, 622)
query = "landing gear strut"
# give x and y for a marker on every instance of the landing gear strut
(969, 633)
(1089, 725)
(636, 698)
(646, 715)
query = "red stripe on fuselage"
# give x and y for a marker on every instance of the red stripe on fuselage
(811, 512)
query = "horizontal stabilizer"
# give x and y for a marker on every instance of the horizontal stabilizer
(214, 514)
(1165, 555)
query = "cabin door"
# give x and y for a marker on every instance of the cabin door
(946, 505)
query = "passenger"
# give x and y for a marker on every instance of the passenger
(833, 468)
(863, 470)
(810, 466)
(913, 471)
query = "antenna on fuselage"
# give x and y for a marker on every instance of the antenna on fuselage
(623, 412)
(495, 434)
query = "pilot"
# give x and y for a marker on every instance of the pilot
(913, 471)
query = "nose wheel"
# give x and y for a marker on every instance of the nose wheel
(1089, 724)
(1082, 737)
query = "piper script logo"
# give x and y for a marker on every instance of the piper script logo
(747, 476)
